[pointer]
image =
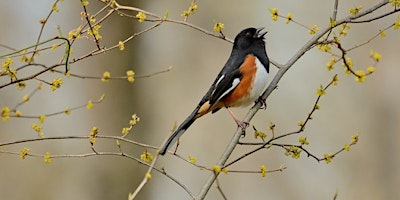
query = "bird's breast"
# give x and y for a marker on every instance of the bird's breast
(251, 85)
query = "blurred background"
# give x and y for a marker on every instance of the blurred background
(369, 171)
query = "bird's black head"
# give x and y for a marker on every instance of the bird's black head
(249, 37)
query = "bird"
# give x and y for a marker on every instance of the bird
(240, 82)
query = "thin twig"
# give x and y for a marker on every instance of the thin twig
(220, 189)
(86, 15)
(120, 77)
(374, 18)
(145, 179)
(77, 137)
(44, 22)
(335, 9)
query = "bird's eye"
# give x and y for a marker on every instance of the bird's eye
(248, 34)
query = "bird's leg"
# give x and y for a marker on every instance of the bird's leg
(240, 123)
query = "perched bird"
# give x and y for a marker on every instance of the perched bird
(240, 82)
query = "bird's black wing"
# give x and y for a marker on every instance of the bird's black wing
(226, 81)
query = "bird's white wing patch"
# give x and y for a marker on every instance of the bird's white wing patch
(235, 83)
(220, 79)
(216, 84)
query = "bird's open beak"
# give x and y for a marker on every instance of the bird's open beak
(259, 32)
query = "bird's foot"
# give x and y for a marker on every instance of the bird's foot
(263, 103)
(243, 125)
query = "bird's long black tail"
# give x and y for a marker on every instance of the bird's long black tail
(179, 132)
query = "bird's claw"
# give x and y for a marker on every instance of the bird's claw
(243, 125)
(263, 103)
